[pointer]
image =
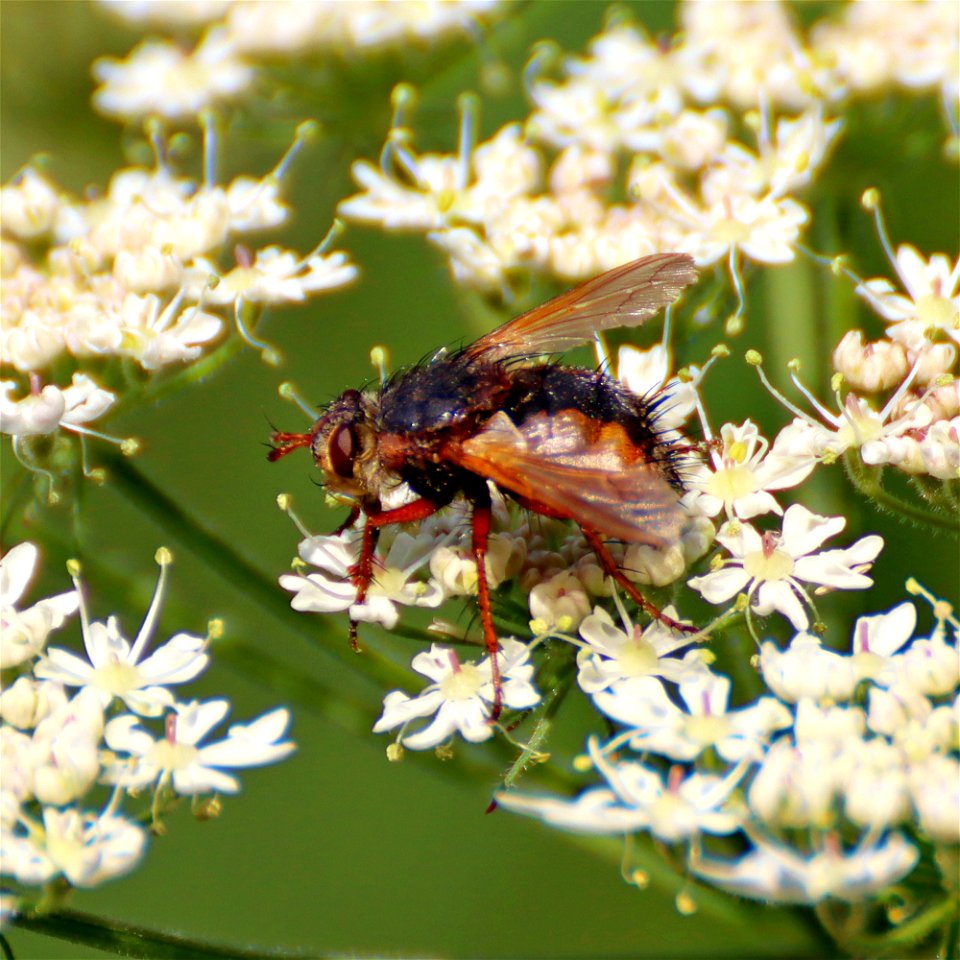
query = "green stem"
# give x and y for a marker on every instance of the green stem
(906, 934)
(22, 484)
(556, 678)
(133, 941)
(867, 482)
(194, 372)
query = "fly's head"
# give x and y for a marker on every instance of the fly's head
(343, 443)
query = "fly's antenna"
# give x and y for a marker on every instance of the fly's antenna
(283, 443)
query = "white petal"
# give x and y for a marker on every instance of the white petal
(196, 779)
(180, 659)
(64, 667)
(16, 570)
(720, 585)
(778, 595)
(595, 811)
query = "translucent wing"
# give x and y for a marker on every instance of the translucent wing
(622, 297)
(579, 468)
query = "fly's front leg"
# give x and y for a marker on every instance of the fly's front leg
(361, 573)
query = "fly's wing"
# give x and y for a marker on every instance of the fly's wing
(622, 297)
(579, 468)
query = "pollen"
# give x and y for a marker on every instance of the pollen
(462, 684)
(117, 678)
(936, 311)
(732, 483)
(775, 565)
(707, 730)
(638, 659)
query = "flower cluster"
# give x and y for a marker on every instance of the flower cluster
(708, 143)
(897, 398)
(111, 716)
(812, 773)
(159, 78)
(134, 276)
(823, 773)
(709, 139)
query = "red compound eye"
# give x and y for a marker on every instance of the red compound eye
(342, 448)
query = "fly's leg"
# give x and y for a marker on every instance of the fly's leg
(481, 536)
(361, 573)
(612, 570)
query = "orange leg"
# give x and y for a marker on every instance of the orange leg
(362, 571)
(609, 565)
(481, 535)
(612, 570)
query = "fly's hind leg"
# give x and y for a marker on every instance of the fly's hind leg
(612, 570)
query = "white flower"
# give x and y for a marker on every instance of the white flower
(912, 723)
(87, 849)
(275, 276)
(161, 13)
(27, 701)
(823, 720)
(331, 588)
(29, 205)
(929, 666)
(744, 471)
(658, 725)
(24, 632)
(771, 567)
(612, 654)
(473, 262)
(871, 367)
(16, 768)
(875, 790)
(799, 783)
(156, 335)
(64, 752)
(51, 407)
(773, 871)
(637, 798)
(149, 269)
(932, 299)
(461, 695)
(115, 668)
(940, 450)
(356, 28)
(935, 787)
(647, 373)
(559, 603)
(255, 205)
(876, 434)
(876, 45)
(765, 230)
(178, 759)
(437, 191)
(159, 78)
(455, 568)
(750, 54)
(806, 670)
(878, 637)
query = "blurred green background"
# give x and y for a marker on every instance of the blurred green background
(337, 850)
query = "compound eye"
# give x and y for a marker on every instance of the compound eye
(342, 448)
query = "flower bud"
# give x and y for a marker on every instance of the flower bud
(870, 367)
